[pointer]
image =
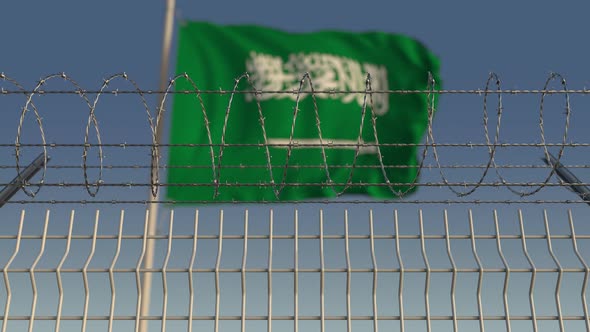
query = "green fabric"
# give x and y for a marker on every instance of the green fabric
(214, 56)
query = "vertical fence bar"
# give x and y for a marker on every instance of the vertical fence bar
(7, 267)
(322, 267)
(270, 232)
(58, 274)
(559, 275)
(190, 273)
(454, 277)
(85, 272)
(153, 197)
(348, 273)
(480, 272)
(138, 274)
(111, 273)
(506, 276)
(243, 273)
(401, 274)
(534, 273)
(427, 281)
(296, 272)
(164, 271)
(586, 269)
(32, 272)
(375, 270)
(217, 266)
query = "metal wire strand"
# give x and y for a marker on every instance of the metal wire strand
(306, 237)
(304, 270)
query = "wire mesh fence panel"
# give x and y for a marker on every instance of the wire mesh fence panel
(295, 232)
(234, 273)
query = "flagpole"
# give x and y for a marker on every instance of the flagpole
(153, 206)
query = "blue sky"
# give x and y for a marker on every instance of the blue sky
(523, 42)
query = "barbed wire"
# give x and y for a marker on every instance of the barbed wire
(294, 92)
(308, 201)
(307, 184)
(278, 181)
(427, 166)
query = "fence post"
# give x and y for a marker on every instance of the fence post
(152, 205)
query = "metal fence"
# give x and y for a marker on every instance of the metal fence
(482, 254)
(413, 287)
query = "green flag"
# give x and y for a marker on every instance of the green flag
(257, 146)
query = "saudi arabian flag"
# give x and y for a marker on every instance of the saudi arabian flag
(255, 146)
